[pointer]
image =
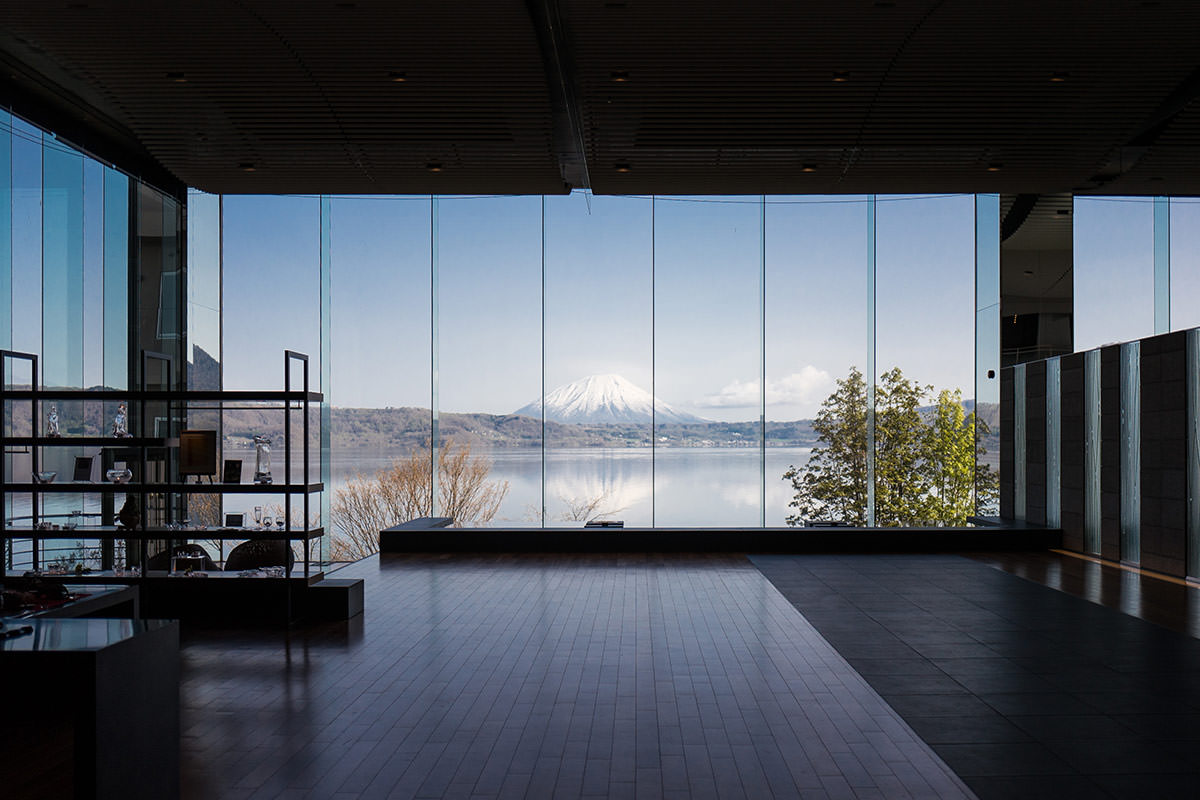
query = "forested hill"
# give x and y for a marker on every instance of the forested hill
(403, 428)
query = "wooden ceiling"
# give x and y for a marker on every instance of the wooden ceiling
(622, 96)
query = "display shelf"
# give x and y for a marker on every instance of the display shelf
(86, 441)
(71, 487)
(191, 396)
(113, 532)
(159, 488)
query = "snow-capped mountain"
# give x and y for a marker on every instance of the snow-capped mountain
(604, 399)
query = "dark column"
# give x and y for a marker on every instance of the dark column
(1110, 452)
(1072, 451)
(1035, 442)
(1007, 452)
(1164, 453)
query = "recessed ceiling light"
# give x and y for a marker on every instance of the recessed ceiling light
(622, 166)
(1059, 77)
(1063, 212)
(841, 76)
(434, 166)
(397, 77)
(808, 167)
(995, 166)
(178, 77)
(619, 75)
(247, 166)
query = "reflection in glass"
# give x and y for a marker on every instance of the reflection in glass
(1091, 452)
(1020, 454)
(1054, 442)
(987, 353)
(707, 360)
(1193, 455)
(598, 325)
(117, 345)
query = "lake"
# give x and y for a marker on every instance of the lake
(676, 486)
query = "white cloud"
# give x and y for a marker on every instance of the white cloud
(809, 385)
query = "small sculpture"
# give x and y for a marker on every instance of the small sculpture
(52, 422)
(119, 428)
(262, 459)
(130, 515)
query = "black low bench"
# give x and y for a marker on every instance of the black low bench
(395, 539)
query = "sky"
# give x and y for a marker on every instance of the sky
(667, 293)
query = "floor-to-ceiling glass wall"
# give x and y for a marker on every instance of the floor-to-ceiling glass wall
(381, 383)
(488, 268)
(708, 258)
(925, 357)
(815, 331)
(598, 360)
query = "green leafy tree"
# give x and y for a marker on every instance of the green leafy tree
(925, 458)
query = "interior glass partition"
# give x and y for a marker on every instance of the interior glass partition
(1054, 442)
(987, 354)
(1193, 455)
(489, 273)
(116, 279)
(1114, 270)
(708, 361)
(6, 220)
(204, 291)
(26, 237)
(1131, 451)
(925, 303)
(598, 360)
(815, 322)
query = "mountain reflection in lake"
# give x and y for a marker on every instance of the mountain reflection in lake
(687, 486)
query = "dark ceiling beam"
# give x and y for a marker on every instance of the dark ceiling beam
(31, 96)
(569, 147)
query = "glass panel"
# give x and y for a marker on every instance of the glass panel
(987, 354)
(116, 280)
(1131, 452)
(489, 273)
(925, 286)
(326, 421)
(380, 335)
(6, 220)
(598, 349)
(26, 237)
(1114, 270)
(1053, 442)
(1020, 439)
(1091, 452)
(1162, 264)
(816, 347)
(1185, 263)
(707, 362)
(204, 290)
(271, 303)
(93, 273)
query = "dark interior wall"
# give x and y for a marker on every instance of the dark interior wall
(1164, 453)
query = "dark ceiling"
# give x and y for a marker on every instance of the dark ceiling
(505, 96)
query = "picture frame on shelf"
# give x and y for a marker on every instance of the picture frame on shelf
(235, 520)
(83, 469)
(232, 473)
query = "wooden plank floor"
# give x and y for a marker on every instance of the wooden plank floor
(547, 676)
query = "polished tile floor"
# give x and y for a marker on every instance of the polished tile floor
(548, 677)
(1031, 675)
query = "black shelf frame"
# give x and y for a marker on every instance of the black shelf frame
(298, 398)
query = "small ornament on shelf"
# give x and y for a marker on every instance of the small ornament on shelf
(120, 425)
(262, 459)
(52, 422)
